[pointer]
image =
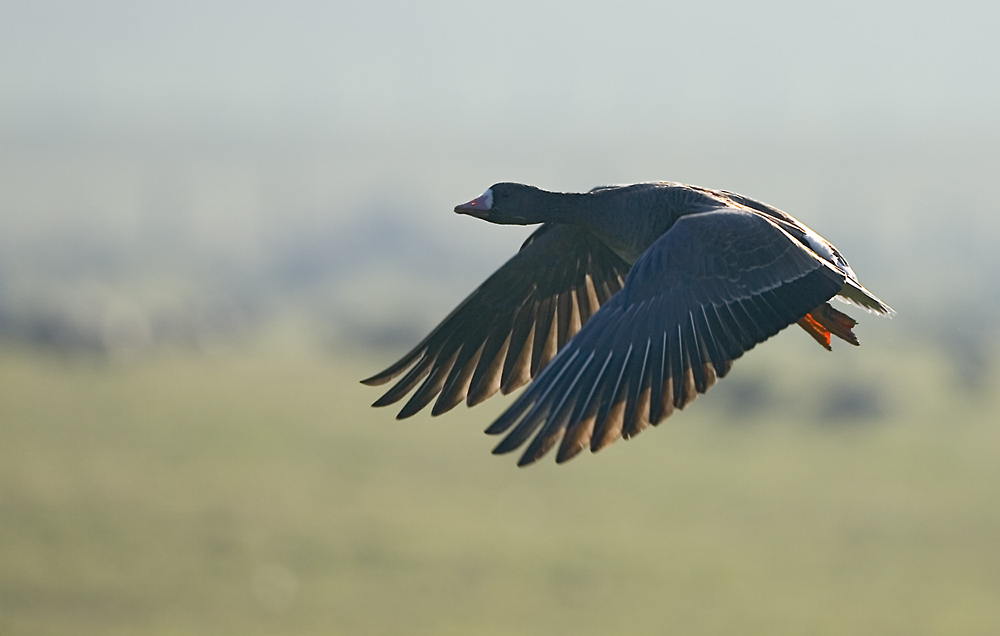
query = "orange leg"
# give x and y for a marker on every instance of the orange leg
(824, 321)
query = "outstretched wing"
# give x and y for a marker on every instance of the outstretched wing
(511, 326)
(708, 290)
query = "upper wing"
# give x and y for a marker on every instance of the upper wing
(853, 292)
(709, 289)
(512, 325)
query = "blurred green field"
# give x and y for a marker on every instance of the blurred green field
(257, 493)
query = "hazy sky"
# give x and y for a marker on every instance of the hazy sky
(220, 131)
(504, 71)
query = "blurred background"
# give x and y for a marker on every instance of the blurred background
(217, 216)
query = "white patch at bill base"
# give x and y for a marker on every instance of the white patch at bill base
(487, 199)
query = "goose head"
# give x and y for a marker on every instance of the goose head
(510, 204)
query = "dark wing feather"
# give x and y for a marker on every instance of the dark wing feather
(708, 290)
(507, 330)
(853, 292)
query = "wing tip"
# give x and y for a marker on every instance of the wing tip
(376, 380)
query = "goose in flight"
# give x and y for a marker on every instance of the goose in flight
(622, 307)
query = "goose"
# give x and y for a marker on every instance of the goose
(625, 304)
